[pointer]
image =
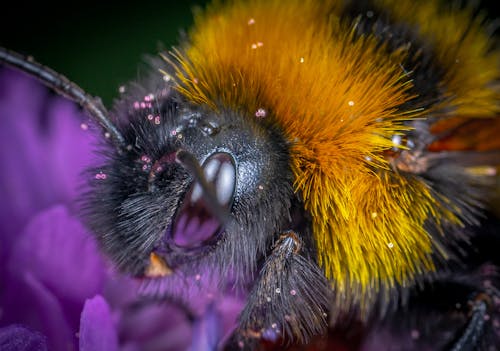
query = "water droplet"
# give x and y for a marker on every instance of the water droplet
(301, 60)
(278, 290)
(145, 158)
(107, 135)
(167, 78)
(390, 245)
(137, 105)
(374, 215)
(84, 126)
(150, 117)
(254, 46)
(268, 299)
(369, 14)
(251, 21)
(293, 292)
(121, 89)
(415, 334)
(157, 120)
(351, 103)
(197, 277)
(260, 187)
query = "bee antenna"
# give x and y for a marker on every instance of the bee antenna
(191, 164)
(63, 86)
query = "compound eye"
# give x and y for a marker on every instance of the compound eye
(195, 224)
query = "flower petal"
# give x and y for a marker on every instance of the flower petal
(20, 338)
(29, 302)
(154, 326)
(58, 250)
(54, 266)
(97, 328)
(206, 332)
(43, 151)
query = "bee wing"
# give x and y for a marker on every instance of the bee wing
(467, 134)
(471, 143)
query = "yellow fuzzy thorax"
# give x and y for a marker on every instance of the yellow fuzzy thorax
(336, 98)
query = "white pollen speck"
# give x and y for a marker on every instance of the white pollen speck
(268, 299)
(84, 126)
(390, 245)
(167, 78)
(251, 21)
(278, 290)
(301, 60)
(369, 14)
(107, 135)
(351, 103)
(121, 89)
(396, 139)
(374, 215)
(254, 46)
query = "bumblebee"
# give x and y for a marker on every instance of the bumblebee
(337, 161)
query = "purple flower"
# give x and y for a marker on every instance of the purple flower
(57, 292)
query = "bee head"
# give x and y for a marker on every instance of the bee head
(191, 185)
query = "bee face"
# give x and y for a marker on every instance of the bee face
(160, 208)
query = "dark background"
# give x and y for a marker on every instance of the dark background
(99, 45)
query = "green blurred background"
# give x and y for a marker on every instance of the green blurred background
(99, 45)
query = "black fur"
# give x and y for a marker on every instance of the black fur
(131, 214)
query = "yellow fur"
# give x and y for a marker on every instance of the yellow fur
(336, 98)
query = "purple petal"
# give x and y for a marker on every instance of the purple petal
(53, 268)
(97, 328)
(154, 326)
(59, 252)
(206, 331)
(20, 338)
(43, 151)
(29, 302)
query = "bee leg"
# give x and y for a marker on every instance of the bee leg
(289, 299)
(472, 333)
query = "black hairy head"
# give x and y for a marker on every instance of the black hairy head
(143, 201)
